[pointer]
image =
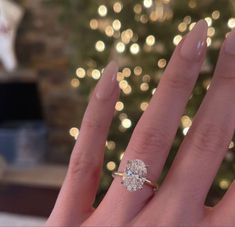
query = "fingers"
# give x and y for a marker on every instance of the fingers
(208, 139)
(79, 189)
(156, 129)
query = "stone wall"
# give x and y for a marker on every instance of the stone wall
(43, 49)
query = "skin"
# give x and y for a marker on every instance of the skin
(181, 197)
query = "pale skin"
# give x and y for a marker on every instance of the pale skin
(180, 200)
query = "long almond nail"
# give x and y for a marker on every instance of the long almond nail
(230, 43)
(108, 82)
(195, 41)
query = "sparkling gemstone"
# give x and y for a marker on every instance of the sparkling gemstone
(134, 175)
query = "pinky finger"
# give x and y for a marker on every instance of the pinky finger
(78, 192)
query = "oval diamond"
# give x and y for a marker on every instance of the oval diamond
(134, 175)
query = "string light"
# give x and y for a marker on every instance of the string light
(116, 25)
(186, 121)
(117, 7)
(137, 9)
(111, 166)
(215, 15)
(134, 48)
(93, 24)
(231, 145)
(121, 155)
(185, 131)
(192, 4)
(138, 70)
(191, 26)
(111, 145)
(177, 39)
(161, 63)
(153, 91)
(143, 106)
(182, 27)
(208, 41)
(109, 31)
(209, 21)
(224, 184)
(147, 3)
(126, 72)
(126, 123)
(231, 23)
(80, 72)
(120, 47)
(74, 132)
(75, 83)
(95, 74)
(150, 40)
(102, 10)
(144, 86)
(146, 78)
(100, 46)
(119, 106)
(211, 31)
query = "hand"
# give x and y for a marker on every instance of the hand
(180, 199)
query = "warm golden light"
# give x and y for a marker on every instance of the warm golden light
(215, 15)
(100, 46)
(111, 166)
(150, 40)
(126, 123)
(144, 86)
(138, 70)
(102, 10)
(135, 48)
(120, 47)
(231, 23)
(75, 83)
(80, 72)
(186, 121)
(182, 27)
(119, 106)
(93, 24)
(224, 184)
(161, 63)
(109, 31)
(148, 3)
(95, 74)
(117, 7)
(143, 106)
(74, 132)
(116, 25)
(177, 39)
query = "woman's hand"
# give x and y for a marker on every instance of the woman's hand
(180, 199)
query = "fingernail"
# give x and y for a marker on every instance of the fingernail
(195, 41)
(230, 43)
(108, 82)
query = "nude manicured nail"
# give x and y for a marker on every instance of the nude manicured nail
(195, 41)
(230, 43)
(108, 82)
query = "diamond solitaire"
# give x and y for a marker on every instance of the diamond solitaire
(134, 176)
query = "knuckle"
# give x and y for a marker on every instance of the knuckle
(209, 138)
(79, 166)
(149, 139)
(93, 124)
(179, 79)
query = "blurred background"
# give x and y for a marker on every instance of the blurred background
(52, 53)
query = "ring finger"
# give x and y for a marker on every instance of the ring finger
(156, 129)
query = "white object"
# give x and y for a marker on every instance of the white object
(9, 220)
(10, 17)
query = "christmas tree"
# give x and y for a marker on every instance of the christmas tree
(141, 36)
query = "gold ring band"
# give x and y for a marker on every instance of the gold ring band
(146, 181)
